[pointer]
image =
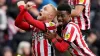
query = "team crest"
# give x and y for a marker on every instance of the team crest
(67, 36)
(51, 24)
(81, 1)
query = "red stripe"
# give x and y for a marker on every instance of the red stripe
(73, 19)
(76, 53)
(84, 1)
(74, 1)
(80, 38)
(79, 48)
(79, 22)
(84, 44)
(45, 48)
(38, 48)
(51, 27)
(78, 1)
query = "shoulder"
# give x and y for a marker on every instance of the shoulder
(72, 25)
(50, 25)
(83, 2)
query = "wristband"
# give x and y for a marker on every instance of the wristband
(21, 7)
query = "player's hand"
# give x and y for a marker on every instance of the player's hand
(30, 5)
(21, 3)
(50, 35)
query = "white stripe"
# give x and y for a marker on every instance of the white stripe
(86, 12)
(84, 42)
(76, 21)
(75, 47)
(47, 24)
(36, 47)
(74, 35)
(82, 22)
(81, 45)
(42, 47)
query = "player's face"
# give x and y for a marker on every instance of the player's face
(62, 17)
(44, 12)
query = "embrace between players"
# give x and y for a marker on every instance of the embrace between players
(45, 38)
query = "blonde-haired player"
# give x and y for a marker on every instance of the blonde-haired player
(44, 21)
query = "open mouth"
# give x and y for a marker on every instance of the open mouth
(60, 21)
(40, 14)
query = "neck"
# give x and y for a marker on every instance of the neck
(47, 20)
(64, 25)
(68, 21)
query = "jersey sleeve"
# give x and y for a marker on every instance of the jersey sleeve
(69, 34)
(34, 22)
(19, 22)
(81, 2)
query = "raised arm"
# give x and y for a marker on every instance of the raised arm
(59, 43)
(19, 22)
(79, 7)
(33, 21)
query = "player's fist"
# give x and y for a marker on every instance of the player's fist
(30, 5)
(21, 3)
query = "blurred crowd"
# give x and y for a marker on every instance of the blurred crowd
(15, 41)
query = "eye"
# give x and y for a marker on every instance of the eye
(45, 8)
(58, 15)
(62, 15)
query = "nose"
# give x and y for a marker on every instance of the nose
(59, 18)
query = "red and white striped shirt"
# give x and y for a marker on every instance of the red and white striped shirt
(83, 20)
(41, 46)
(78, 46)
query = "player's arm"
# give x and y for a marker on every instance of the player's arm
(69, 37)
(19, 22)
(34, 22)
(58, 42)
(60, 45)
(78, 8)
(31, 20)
